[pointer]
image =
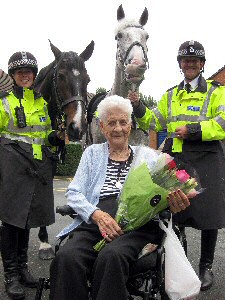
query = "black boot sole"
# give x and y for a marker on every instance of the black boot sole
(15, 297)
(205, 288)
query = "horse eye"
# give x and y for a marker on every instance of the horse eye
(147, 36)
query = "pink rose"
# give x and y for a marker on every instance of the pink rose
(182, 175)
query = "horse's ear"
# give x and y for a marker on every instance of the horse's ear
(144, 17)
(120, 13)
(55, 50)
(87, 53)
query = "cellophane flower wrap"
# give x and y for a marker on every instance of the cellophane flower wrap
(144, 192)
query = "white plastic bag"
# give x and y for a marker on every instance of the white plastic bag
(181, 281)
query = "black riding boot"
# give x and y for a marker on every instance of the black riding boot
(9, 244)
(208, 245)
(25, 276)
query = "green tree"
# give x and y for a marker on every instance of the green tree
(148, 101)
(101, 90)
(72, 159)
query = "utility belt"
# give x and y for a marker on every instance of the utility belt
(193, 146)
(35, 143)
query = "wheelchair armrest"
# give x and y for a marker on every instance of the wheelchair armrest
(66, 210)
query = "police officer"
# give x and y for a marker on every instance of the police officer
(26, 161)
(193, 113)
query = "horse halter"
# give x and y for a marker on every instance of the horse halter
(136, 43)
(61, 102)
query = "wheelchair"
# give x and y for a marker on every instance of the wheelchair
(146, 279)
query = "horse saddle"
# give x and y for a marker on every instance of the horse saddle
(93, 104)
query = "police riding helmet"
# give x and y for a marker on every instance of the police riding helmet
(191, 48)
(22, 59)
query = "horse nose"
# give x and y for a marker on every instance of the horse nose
(73, 132)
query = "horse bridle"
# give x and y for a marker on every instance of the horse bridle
(136, 43)
(121, 61)
(60, 103)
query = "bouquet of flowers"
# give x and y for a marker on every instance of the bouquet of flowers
(144, 192)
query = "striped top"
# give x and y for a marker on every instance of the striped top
(116, 173)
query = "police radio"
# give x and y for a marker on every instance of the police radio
(20, 116)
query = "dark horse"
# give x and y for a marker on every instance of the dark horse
(63, 84)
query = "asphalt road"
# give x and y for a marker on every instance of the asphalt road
(40, 268)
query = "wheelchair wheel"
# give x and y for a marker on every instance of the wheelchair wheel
(182, 238)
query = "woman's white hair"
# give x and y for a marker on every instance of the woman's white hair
(111, 102)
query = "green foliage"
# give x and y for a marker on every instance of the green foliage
(101, 90)
(148, 101)
(73, 155)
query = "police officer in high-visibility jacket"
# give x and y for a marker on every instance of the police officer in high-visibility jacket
(26, 166)
(193, 113)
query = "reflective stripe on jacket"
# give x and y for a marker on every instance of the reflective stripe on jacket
(178, 108)
(37, 119)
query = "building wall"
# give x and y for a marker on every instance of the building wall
(220, 77)
(153, 139)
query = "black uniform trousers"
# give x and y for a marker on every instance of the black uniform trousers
(14, 247)
(77, 262)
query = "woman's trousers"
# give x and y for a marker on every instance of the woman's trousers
(76, 263)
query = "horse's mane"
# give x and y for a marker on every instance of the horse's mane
(123, 24)
(42, 83)
(43, 73)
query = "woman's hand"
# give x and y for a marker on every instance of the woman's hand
(178, 201)
(107, 225)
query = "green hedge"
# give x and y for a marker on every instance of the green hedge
(73, 155)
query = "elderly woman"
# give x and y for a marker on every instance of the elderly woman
(92, 194)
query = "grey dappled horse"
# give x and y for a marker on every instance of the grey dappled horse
(131, 64)
(63, 84)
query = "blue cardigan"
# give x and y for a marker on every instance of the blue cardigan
(84, 191)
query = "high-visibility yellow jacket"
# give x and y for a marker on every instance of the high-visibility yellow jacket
(37, 119)
(202, 109)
